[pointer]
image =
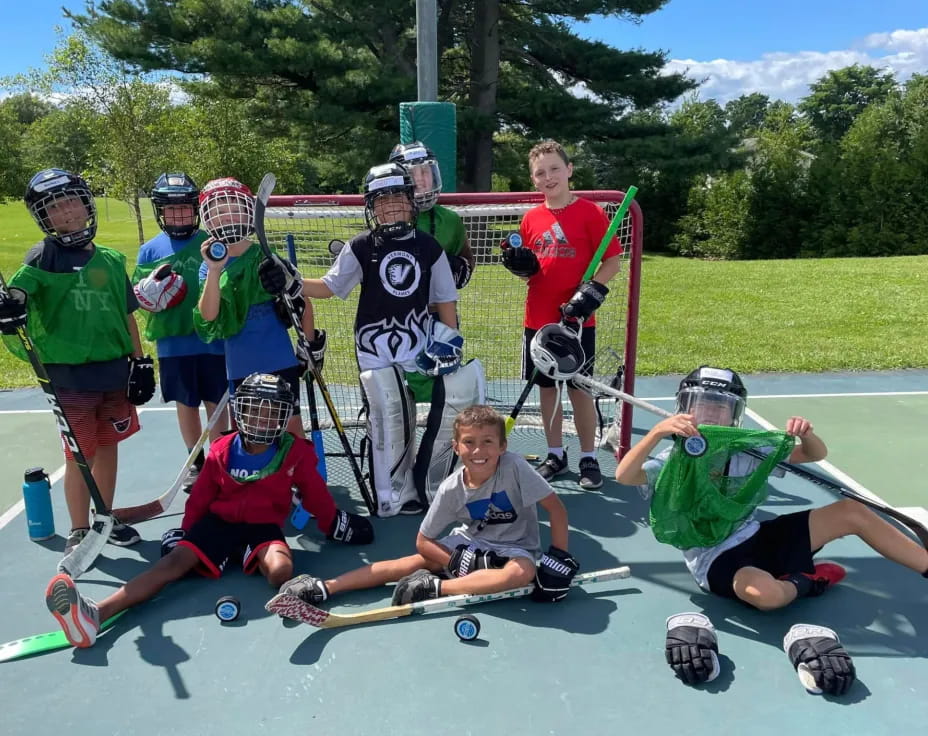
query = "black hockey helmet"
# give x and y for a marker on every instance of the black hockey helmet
(51, 198)
(262, 406)
(175, 189)
(422, 165)
(395, 218)
(713, 394)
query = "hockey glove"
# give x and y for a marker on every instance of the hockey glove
(460, 269)
(282, 307)
(520, 261)
(587, 299)
(823, 665)
(552, 578)
(466, 558)
(161, 289)
(351, 529)
(170, 539)
(444, 349)
(316, 349)
(692, 648)
(12, 310)
(277, 276)
(141, 380)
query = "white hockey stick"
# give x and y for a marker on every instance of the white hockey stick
(290, 606)
(135, 514)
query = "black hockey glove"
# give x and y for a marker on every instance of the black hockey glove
(466, 558)
(316, 349)
(519, 261)
(552, 578)
(277, 276)
(823, 665)
(351, 529)
(692, 648)
(586, 300)
(12, 311)
(460, 269)
(170, 539)
(141, 385)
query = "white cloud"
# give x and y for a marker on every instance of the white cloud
(787, 76)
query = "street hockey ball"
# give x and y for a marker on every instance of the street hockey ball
(467, 627)
(228, 608)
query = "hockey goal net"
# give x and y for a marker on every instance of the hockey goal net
(490, 308)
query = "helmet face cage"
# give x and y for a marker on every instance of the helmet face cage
(262, 407)
(63, 207)
(556, 352)
(389, 205)
(422, 166)
(714, 395)
(176, 190)
(228, 210)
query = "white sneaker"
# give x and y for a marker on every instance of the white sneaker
(78, 617)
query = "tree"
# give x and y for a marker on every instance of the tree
(746, 113)
(841, 95)
(27, 107)
(63, 138)
(12, 171)
(332, 73)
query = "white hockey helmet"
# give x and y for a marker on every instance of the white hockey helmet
(556, 352)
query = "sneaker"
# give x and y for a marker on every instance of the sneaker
(74, 538)
(78, 617)
(307, 588)
(192, 474)
(123, 535)
(815, 583)
(421, 585)
(552, 465)
(412, 508)
(590, 476)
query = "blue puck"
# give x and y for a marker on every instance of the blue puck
(217, 251)
(228, 608)
(515, 240)
(695, 446)
(467, 628)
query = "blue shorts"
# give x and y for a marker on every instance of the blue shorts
(192, 379)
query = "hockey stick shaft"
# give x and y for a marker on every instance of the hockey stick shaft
(146, 511)
(328, 620)
(82, 556)
(264, 193)
(915, 526)
(613, 228)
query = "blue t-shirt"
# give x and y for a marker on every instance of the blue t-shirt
(261, 346)
(243, 464)
(161, 246)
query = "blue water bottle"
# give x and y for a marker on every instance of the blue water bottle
(38, 498)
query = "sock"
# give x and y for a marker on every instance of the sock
(803, 584)
(591, 453)
(557, 452)
(199, 459)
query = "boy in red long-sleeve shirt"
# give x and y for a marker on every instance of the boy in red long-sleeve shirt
(237, 506)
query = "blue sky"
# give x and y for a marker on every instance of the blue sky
(737, 46)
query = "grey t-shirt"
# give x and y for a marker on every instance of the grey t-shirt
(502, 511)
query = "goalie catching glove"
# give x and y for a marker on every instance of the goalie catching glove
(692, 648)
(518, 260)
(444, 349)
(141, 386)
(12, 311)
(161, 289)
(553, 575)
(586, 300)
(823, 665)
(466, 558)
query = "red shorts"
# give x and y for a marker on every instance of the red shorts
(97, 419)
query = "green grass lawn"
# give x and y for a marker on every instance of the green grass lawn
(803, 315)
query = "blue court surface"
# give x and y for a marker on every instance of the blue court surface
(593, 663)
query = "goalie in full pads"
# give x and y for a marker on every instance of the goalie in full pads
(767, 564)
(236, 509)
(401, 272)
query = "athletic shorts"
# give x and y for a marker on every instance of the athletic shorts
(781, 546)
(216, 542)
(587, 342)
(97, 419)
(291, 375)
(192, 379)
(452, 541)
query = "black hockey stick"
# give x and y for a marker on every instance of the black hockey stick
(264, 193)
(82, 556)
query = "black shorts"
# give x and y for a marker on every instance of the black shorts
(190, 379)
(291, 375)
(587, 342)
(781, 546)
(216, 542)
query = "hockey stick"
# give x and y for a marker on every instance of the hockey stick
(290, 606)
(82, 556)
(264, 193)
(146, 511)
(613, 228)
(915, 526)
(41, 643)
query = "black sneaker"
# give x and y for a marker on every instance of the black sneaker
(552, 465)
(590, 476)
(123, 535)
(412, 508)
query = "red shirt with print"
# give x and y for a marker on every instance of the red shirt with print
(564, 242)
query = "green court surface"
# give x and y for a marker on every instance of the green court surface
(593, 663)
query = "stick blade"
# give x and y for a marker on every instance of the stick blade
(293, 607)
(84, 554)
(266, 188)
(136, 514)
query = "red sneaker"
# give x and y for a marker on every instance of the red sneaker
(826, 574)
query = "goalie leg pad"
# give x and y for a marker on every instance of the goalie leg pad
(822, 663)
(692, 648)
(391, 430)
(451, 394)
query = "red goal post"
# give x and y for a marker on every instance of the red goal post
(490, 307)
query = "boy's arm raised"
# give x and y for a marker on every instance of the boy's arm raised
(630, 472)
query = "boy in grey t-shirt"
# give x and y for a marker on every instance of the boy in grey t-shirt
(492, 497)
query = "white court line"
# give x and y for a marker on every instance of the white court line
(20, 505)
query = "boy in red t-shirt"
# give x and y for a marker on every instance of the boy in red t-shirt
(560, 238)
